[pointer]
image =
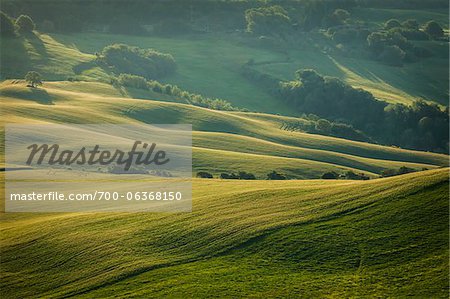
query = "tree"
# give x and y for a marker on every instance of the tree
(275, 176)
(246, 175)
(330, 175)
(392, 23)
(204, 175)
(33, 78)
(393, 55)
(25, 24)
(272, 20)
(411, 24)
(7, 27)
(434, 29)
(341, 15)
(323, 126)
(309, 77)
(376, 41)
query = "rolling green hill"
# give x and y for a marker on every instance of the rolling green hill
(210, 65)
(386, 237)
(223, 141)
(303, 237)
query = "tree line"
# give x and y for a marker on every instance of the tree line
(421, 125)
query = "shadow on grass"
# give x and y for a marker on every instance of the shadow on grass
(37, 44)
(38, 95)
(14, 59)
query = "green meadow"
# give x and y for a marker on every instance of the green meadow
(386, 237)
(305, 236)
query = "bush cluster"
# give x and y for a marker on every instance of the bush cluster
(400, 171)
(147, 63)
(139, 82)
(241, 175)
(420, 126)
(316, 125)
(272, 20)
(348, 175)
(10, 28)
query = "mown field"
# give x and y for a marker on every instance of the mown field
(385, 237)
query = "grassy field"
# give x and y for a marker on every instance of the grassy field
(386, 237)
(209, 65)
(223, 141)
(298, 238)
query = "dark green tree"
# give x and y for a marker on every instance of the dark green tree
(272, 20)
(275, 176)
(330, 175)
(25, 24)
(434, 29)
(411, 24)
(393, 55)
(33, 78)
(392, 23)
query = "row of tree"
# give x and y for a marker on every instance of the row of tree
(139, 82)
(149, 63)
(348, 175)
(420, 126)
(11, 28)
(241, 175)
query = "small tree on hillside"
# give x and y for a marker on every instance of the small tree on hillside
(25, 24)
(33, 78)
(434, 29)
(7, 27)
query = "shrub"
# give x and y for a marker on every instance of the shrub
(275, 176)
(33, 78)
(376, 41)
(392, 23)
(341, 15)
(25, 24)
(411, 24)
(346, 35)
(335, 100)
(142, 62)
(232, 176)
(272, 20)
(323, 126)
(392, 55)
(434, 29)
(246, 176)
(330, 175)
(204, 175)
(350, 175)
(133, 81)
(7, 27)
(394, 172)
(411, 34)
